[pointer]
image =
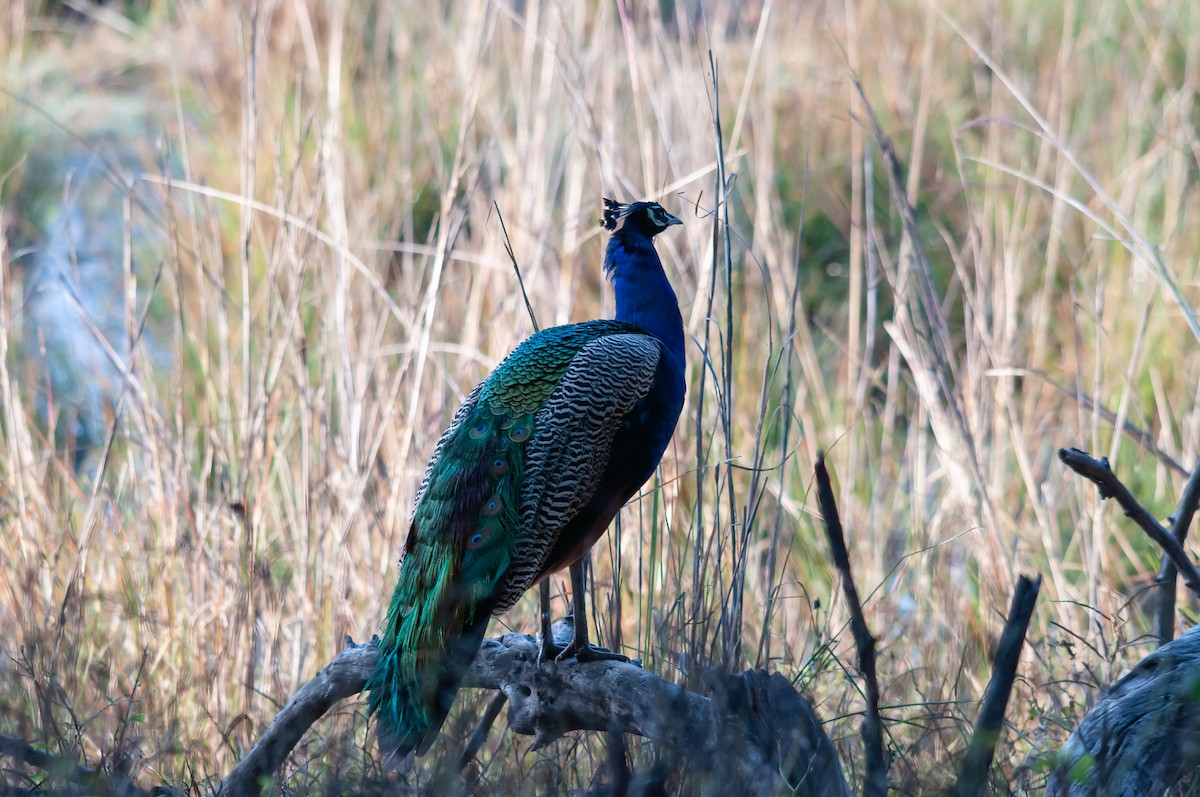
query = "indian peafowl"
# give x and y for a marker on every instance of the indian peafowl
(535, 464)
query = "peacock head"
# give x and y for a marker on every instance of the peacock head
(648, 218)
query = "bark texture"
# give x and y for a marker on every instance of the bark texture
(1143, 736)
(755, 734)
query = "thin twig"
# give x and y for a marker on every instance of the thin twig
(1164, 618)
(1086, 402)
(343, 677)
(973, 771)
(512, 257)
(482, 729)
(875, 784)
(1099, 472)
(89, 780)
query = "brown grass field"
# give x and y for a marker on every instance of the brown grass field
(300, 312)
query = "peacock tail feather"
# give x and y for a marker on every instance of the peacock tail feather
(446, 589)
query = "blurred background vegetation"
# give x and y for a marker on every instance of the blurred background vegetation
(251, 262)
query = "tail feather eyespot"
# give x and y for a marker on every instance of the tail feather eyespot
(492, 506)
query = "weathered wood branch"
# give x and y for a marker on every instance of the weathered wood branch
(1099, 472)
(975, 764)
(875, 783)
(1181, 520)
(782, 726)
(1143, 735)
(755, 731)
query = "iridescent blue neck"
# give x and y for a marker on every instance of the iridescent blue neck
(644, 296)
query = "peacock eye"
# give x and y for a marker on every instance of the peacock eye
(477, 539)
(498, 467)
(479, 430)
(492, 507)
(519, 434)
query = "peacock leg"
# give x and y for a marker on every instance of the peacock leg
(550, 651)
(579, 647)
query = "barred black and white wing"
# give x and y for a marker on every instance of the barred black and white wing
(571, 447)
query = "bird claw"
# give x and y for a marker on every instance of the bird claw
(595, 653)
(583, 655)
(551, 652)
(564, 643)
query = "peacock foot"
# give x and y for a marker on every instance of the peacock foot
(565, 643)
(556, 644)
(588, 653)
(582, 654)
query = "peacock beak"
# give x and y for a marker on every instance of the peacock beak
(673, 220)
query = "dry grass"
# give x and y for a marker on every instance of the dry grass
(327, 279)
